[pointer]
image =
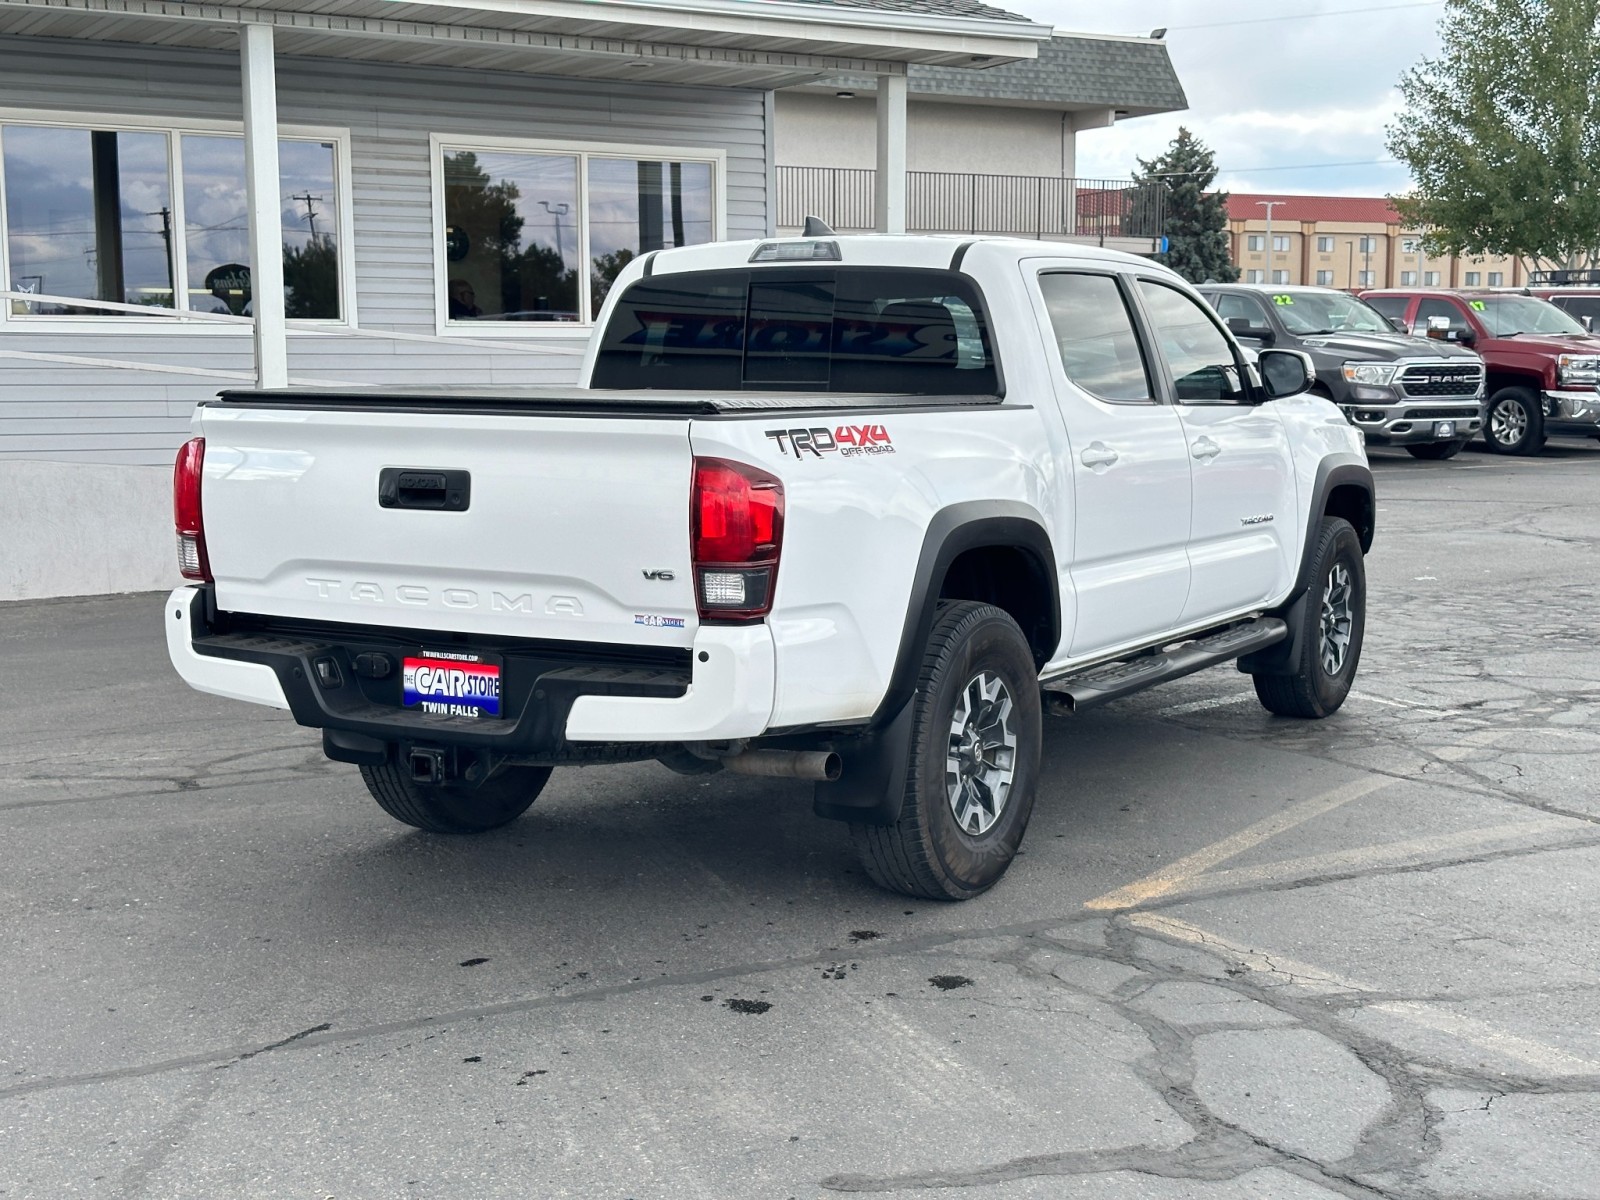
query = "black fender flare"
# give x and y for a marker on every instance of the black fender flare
(872, 784)
(1339, 471)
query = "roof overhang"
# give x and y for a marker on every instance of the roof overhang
(723, 43)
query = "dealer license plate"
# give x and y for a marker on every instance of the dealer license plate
(449, 683)
(1444, 430)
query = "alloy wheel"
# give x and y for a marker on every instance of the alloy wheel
(1338, 619)
(1508, 423)
(980, 765)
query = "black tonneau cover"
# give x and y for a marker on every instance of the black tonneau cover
(586, 401)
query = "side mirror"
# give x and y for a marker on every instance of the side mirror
(1285, 373)
(1399, 324)
(1240, 327)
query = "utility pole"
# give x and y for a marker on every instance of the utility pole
(311, 210)
(558, 210)
(1350, 266)
(166, 237)
(1269, 205)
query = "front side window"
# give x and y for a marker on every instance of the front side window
(823, 329)
(1431, 309)
(1200, 357)
(1094, 336)
(1231, 306)
(93, 214)
(540, 237)
(1585, 309)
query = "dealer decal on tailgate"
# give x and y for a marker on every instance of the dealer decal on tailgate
(451, 684)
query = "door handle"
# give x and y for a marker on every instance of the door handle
(1097, 454)
(1205, 449)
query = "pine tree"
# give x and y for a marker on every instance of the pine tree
(1196, 222)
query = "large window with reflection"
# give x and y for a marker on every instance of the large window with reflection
(538, 235)
(157, 218)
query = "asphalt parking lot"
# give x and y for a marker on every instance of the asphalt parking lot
(1240, 957)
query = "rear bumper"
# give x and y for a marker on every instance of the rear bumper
(554, 694)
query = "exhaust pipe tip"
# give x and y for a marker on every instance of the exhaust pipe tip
(820, 766)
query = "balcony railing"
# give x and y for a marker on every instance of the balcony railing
(1040, 206)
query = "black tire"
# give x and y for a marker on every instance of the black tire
(927, 852)
(1313, 690)
(1514, 422)
(1435, 451)
(455, 807)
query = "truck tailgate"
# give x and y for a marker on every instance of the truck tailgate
(573, 527)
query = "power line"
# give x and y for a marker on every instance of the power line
(1311, 16)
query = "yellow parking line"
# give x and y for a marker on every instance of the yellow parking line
(1383, 854)
(1171, 877)
(1539, 1055)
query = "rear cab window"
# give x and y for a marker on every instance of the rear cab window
(875, 330)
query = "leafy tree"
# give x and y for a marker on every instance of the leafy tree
(604, 270)
(1196, 221)
(1501, 132)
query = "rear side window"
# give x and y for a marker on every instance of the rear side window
(1389, 306)
(1094, 335)
(840, 329)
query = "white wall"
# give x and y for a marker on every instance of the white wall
(824, 131)
(85, 529)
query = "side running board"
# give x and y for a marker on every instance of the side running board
(1074, 693)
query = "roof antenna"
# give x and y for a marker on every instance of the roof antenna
(816, 227)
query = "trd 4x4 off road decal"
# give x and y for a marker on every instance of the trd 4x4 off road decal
(845, 440)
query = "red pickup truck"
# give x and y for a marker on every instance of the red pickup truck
(1543, 365)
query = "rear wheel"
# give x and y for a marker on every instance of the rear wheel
(976, 730)
(1515, 423)
(1435, 451)
(455, 807)
(1332, 626)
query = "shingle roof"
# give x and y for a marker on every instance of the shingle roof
(1353, 210)
(934, 8)
(1134, 74)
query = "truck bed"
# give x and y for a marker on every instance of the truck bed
(570, 401)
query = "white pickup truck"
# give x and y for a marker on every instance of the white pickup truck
(858, 510)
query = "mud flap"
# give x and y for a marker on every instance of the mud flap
(872, 786)
(1281, 659)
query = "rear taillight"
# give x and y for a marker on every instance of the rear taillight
(192, 560)
(737, 515)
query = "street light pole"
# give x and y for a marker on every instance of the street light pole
(1269, 205)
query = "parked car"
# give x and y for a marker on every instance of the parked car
(1542, 364)
(856, 510)
(1582, 303)
(1399, 390)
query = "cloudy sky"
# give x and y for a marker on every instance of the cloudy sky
(1280, 89)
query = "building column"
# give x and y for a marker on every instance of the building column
(890, 195)
(262, 206)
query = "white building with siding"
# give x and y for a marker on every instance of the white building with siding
(368, 192)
